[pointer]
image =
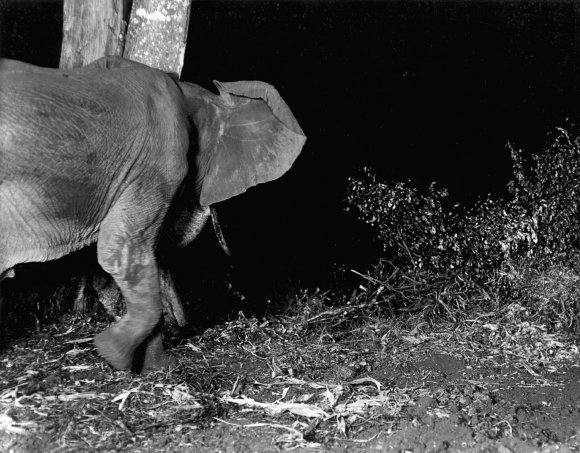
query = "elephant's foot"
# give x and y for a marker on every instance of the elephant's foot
(152, 355)
(115, 348)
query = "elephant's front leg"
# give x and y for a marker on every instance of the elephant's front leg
(126, 251)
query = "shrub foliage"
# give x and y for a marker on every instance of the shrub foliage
(536, 225)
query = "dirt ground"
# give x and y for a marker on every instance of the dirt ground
(268, 386)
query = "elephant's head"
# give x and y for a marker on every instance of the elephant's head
(246, 136)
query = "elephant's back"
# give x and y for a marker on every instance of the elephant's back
(50, 119)
(56, 105)
(50, 113)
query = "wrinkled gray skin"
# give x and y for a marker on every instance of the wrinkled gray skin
(128, 157)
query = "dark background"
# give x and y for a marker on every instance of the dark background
(420, 91)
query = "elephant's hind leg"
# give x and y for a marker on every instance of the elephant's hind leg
(126, 250)
(151, 354)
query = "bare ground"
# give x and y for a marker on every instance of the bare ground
(288, 383)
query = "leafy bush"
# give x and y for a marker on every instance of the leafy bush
(413, 227)
(538, 222)
(548, 197)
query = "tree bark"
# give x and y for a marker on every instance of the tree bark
(157, 33)
(91, 29)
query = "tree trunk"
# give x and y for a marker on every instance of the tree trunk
(91, 29)
(157, 33)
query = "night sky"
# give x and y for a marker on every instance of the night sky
(420, 91)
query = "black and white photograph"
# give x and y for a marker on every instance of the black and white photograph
(311, 225)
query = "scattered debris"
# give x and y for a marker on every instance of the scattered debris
(300, 382)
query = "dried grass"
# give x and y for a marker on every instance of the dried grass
(308, 374)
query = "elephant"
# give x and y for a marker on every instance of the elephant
(133, 159)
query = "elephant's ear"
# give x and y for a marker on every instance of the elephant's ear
(257, 141)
